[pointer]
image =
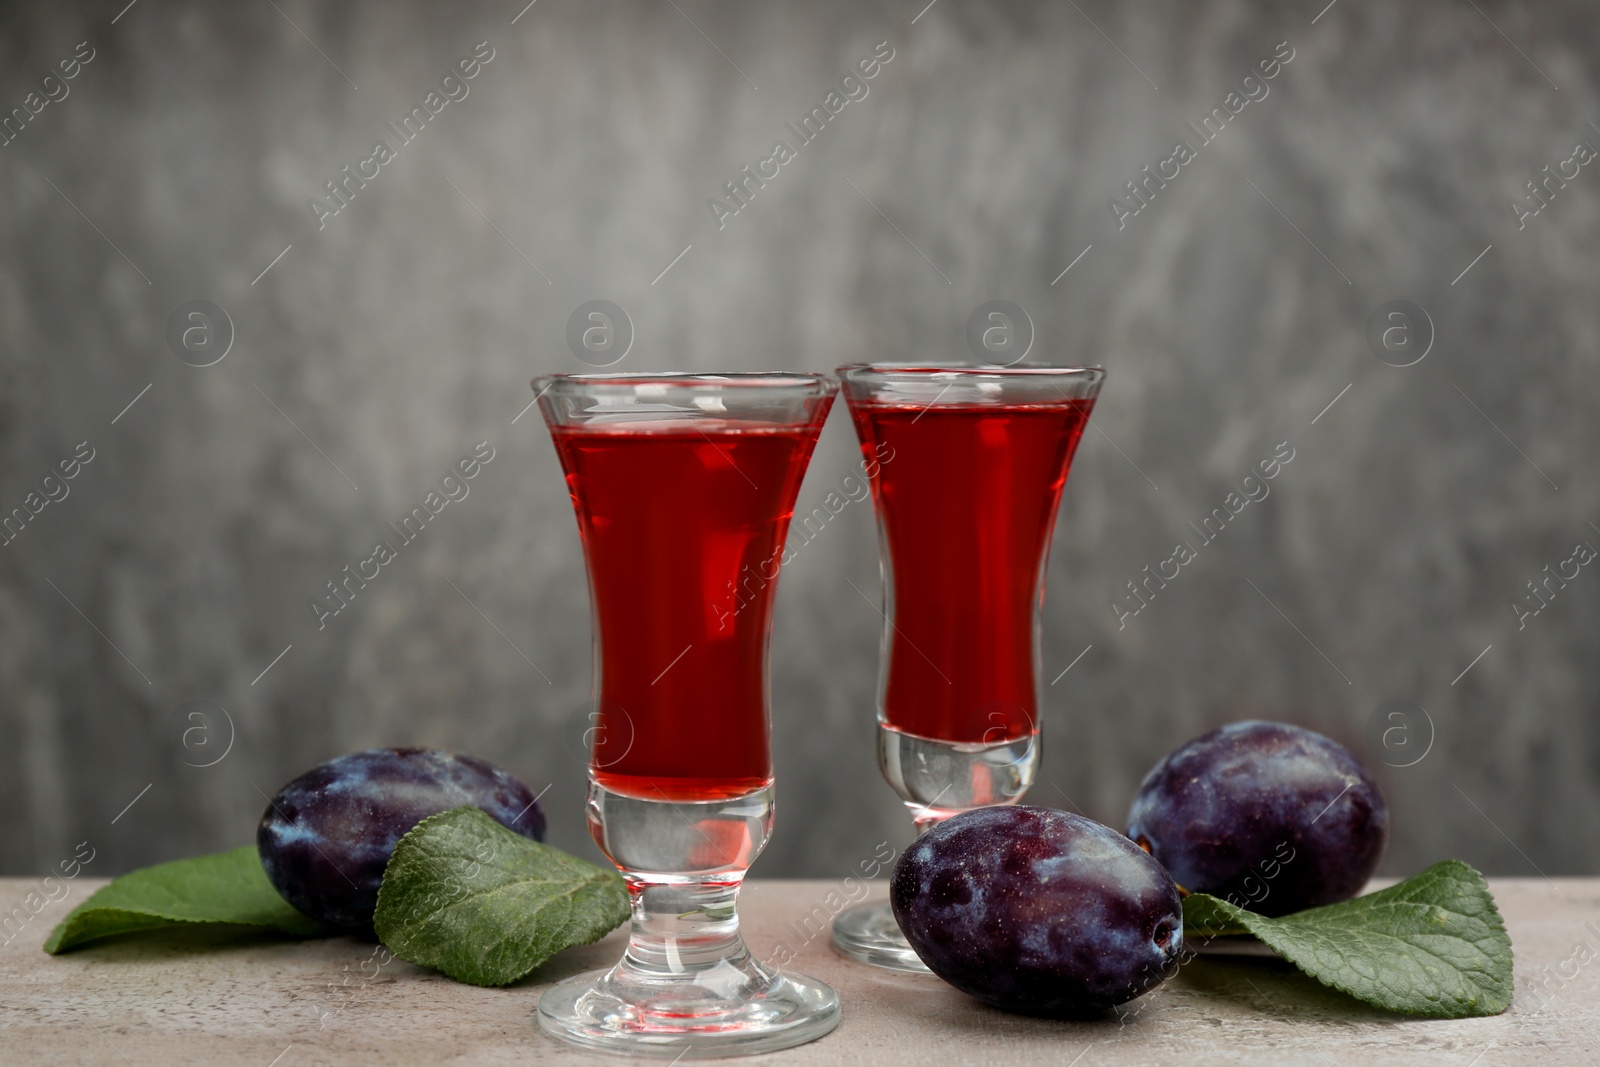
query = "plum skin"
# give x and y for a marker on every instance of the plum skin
(326, 837)
(1038, 911)
(1273, 817)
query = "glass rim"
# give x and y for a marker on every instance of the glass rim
(969, 369)
(627, 380)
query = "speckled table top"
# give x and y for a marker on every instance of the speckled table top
(184, 999)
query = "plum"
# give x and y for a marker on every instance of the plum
(1275, 818)
(327, 836)
(1038, 911)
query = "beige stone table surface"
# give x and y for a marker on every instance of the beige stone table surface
(187, 999)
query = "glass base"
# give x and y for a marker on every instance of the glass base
(687, 986)
(936, 779)
(867, 933)
(737, 1012)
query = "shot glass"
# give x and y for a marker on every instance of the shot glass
(681, 482)
(967, 463)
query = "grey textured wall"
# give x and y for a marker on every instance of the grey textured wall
(1230, 311)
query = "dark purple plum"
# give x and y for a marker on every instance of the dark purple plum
(327, 836)
(1038, 911)
(1275, 818)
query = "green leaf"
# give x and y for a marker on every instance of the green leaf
(486, 905)
(228, 888)
(1434, 945)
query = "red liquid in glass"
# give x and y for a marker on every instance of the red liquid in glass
(966, 504)
(683, 526)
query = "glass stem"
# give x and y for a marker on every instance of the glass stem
(683, 925)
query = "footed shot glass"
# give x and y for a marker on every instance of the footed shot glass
(967, 463)
(680, 482)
